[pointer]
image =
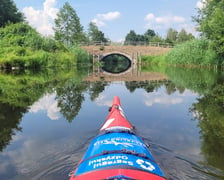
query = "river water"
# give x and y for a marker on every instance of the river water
(48, 118)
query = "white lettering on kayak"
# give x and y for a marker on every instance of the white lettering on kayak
(110, 160)
(107, 123)
(120, 141)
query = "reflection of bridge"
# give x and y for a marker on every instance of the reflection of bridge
(133, 74)
(134, 53)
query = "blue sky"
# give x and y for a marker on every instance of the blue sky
(115, 18)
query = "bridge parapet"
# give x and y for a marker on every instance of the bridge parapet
(130, 50)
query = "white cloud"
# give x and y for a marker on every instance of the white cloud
(152, 20)
(161, 98)
(100, 19)
(165, 22)
(98, 22)
(101, 101)
(49, 104)
(109, 16)
(150, 17)
(200, 4)
(42, 19)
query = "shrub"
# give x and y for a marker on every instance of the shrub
(195, 52)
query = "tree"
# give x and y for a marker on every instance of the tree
(67, 26)
(171, 36)
(9, 13)
(149, 34)
(183, 36)
(131, 37)
(95, 34)
(210, 20)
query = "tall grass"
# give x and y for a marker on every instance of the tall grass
(195, 52)
(155, 60)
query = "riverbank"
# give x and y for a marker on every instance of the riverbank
(22, 47)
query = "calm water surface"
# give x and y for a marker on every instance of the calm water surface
(48, 120)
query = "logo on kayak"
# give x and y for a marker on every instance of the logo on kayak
(118, 159)
(145, 165)
(125, 142)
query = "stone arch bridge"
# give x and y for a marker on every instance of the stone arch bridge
(133, 53)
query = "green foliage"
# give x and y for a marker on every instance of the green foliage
(68, 29)
(175, 37)
(195, 52)
(23, 35)
(155, 60)
(9, 13)
(210, 115)
(171, 36)
(197, 80)
(210, 20)
(82, 56)
(95, 34)
(23, 47)
(132, 38)
(149, 34)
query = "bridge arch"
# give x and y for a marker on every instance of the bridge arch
(103, 56)
(116, 62)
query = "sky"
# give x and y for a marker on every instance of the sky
(115, 18)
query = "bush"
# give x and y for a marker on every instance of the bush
(195, 52)
(155, 60)
(22, 46)
(81, 55)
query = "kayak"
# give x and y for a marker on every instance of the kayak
(117, 152)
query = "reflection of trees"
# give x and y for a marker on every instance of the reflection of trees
(150, 86)
(18, 91)
(172, 88)
(10, 117)
(210, 112)
(209, 109)
(70, 98)
(197, 80)
(96, 88)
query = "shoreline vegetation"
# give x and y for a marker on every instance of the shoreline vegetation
(23, 47)
(191, 54)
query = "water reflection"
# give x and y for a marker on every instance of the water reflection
(210, 111)
(161, 109)
(116, 63)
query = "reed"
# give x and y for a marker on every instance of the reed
(192, 53)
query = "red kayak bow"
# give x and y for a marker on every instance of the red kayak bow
(117, 152)
(116, 118)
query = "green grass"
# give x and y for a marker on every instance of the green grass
(155, 60)
(193, 53)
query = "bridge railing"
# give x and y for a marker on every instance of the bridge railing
(132, 43)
